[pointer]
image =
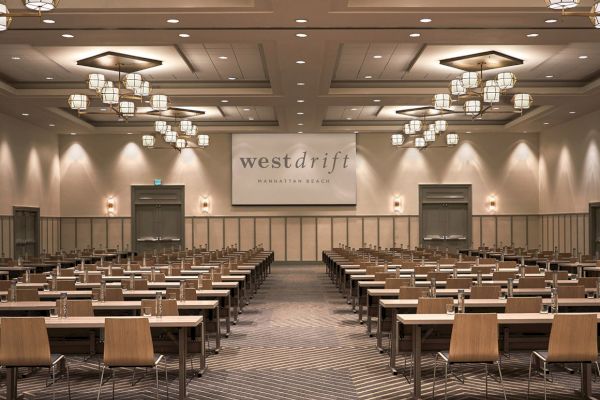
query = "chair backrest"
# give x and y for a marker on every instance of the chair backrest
(66, 272)
(469, 258)
(428, 305)
(65, 285)
(412, 293)
(94, 277)
(424, 270)
(572, 338)
(487, 261)
(24, 342)
(474, 338)
(158, 277)
(503, 275)
(382, 276)
(90, 267)
(27, 294)
(485, 292)
(589, 282)
(37, 278)
(112, 294)
(507, 264)
(531, 269)
(532, 282)
(519, 305)
(5, 285)
(169, 307)
(459, 283)
(372, 270)
(439, 276)
(571, 292)
(128, 343)
(484, 269)
(138, 284)
(78, 308)
(562, 275)
(410, 264)
(396, 283)
(115, 271)
(448, 261)
(464, 264)
(189, 293)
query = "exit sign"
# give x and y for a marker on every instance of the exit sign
(157, 182)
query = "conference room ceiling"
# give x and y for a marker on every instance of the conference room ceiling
(238, 64)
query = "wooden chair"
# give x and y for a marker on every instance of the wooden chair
(138, 284)
(427, 305)
(464, 264)
(115, 271)
(5, 285)
(92, 278)
(78, 308)
(531, 269)
(487, 261)
(485, 292)
(90, 267)
(424, 270)
(459, 283)
(470, 258)
(561, 275)
(448, 261)
(189, 294)
(484, 269)
(396, 283)
(66, 271)
(532, 283)
(507, 264)
(27, 294)
(382, 276)
(372, 270)
(65, 286)
(112, 294)
(573, 339)
(37, 278)
(571, 292)
(412, 293)
(517, 305)
(588, 282)
(128, 344)
(503, 275)
(169, 307)
(439, 276)
(24, 343)
(158, 277)
(474, 339)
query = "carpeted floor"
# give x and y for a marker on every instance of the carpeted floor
(298, 340)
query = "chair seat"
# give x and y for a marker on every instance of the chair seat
(445, 355)
(543, 355)
(54, 359)
(157, 359)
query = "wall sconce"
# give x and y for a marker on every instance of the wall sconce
(205, 205)
(110, 206)
(398, 204)
(492, 203)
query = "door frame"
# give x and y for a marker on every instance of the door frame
(36, 210)
(157, 188)
(466, 198)
(593, 223)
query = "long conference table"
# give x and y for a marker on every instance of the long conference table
(418, 321)
(183, 324)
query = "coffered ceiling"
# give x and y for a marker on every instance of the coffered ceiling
(365, 60)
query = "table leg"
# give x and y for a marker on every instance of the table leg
(11, 383)
(202, 349)
(393, 342)
(416, 347)
(586, 381)
(228, 319)
(379, 328)
(218, 340)
(183, 336)
(360, 305)
(237, 304)
(368, 315)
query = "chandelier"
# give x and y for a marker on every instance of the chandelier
(121, 98)
(564, 5)
(422, 132)
(37, 7)
(477, 96)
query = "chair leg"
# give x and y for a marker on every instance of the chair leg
(486, 380)
(445, 380)
(156, 373)
(167, 377)
(113, 384)
(101, 380)
(529, 377)
(434, 370)
(544, 366)
(501, 380)
(54, 382)
(68, 379)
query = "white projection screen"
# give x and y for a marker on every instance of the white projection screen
(286, 169)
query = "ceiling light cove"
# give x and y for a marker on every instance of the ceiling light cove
(301, 35)
(425, 20)
(184, 35)
(301, 20)
(415, 35)
(173, 21)
(300, 62)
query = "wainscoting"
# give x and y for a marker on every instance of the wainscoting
(302, 238)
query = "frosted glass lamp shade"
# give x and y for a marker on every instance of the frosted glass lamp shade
(472, 107)
(562, 4)
(491, 92)
(470, 80)
(522, 101)
(457, 88)
(4, 20)
(596, 18)
(96, 81)
(441, 101)
(452, 139)
(79, 102)
(41, 5)
(506, 80)
(186, 126)
(397, 139)
(415, 125)
(133, 81)
(203, 140)
(159, 102)
(420, 142)
(441, 126)
(429, 136)
(160, 126)
(143, 90)
(181, 143)
(148, 141)
(110, 95)
(127, 108)
(170, 136)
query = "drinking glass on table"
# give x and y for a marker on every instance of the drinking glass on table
(544, 309)
(54, 312)
(146, 311)
(450, 309)
(3, 298)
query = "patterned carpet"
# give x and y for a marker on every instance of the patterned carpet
(298, 339)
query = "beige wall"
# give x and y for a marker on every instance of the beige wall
(29, 167)
(570, 166)
(96, 166)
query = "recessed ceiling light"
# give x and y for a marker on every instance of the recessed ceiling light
(300, 113)
(533, 35)
(130, 133)
(301, 35)
(246, 109)
(551, 21)
(355, 131)
(546, 123)
(232, 78)
(49, 78)
(496, 108)
(224, 101)
(377, 56)
(300, 132)
(549, 76)
(49, 21)
(173, 21)
(15, 58)
(300, 62)
(67, 35)
(300, 84)
(301, 20)
(300, 124)
(73, 133)
(415, 35)
(368, 76)
(300, 101)
(583, 57)
(468, 132)
(425, 20)
(348, 118)
(572, 112)
(354, 109)
(223, 57)
(376, 101)
(51, 125)
(184, 35)
(250, 118)
(103, 109)
(25, 114)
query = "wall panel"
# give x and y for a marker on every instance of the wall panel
(324, 234)
(293, 239)
(278, 232)
(216, 230)
(263, 233)
(370, 231)
(339, 231)
(246, 233)
(309, 239)
(386, 232)
(232, 232)
(402, 233)
(355, 232)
